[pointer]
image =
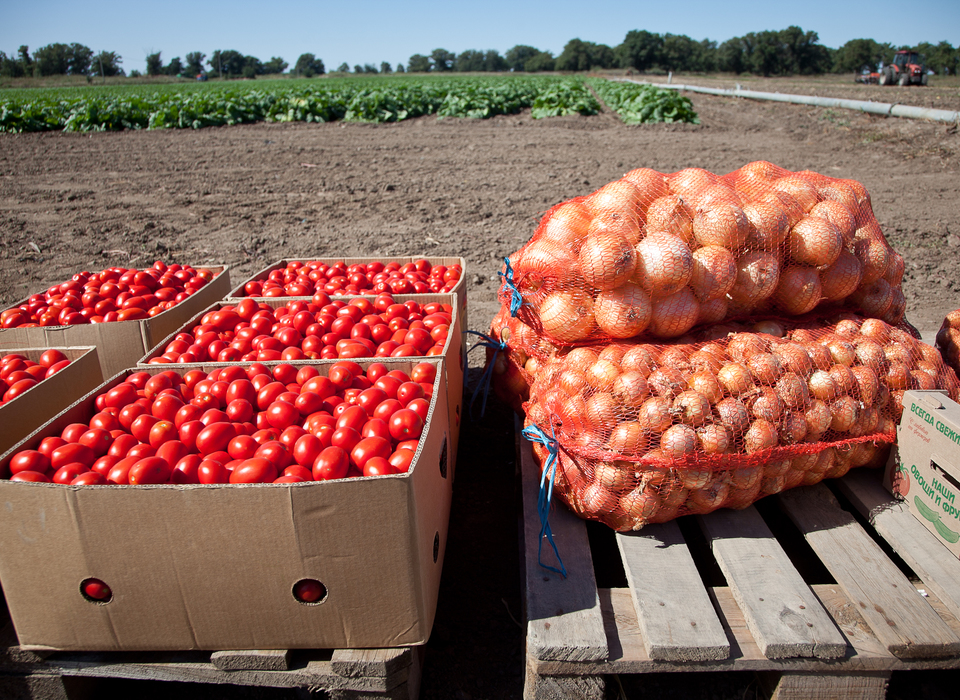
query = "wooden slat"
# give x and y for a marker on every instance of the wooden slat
(676, 617)
(917, 546)
(898, 616)
(372, 663)
(563, 614)
(249, 660)
(783, 614)
(829, 686)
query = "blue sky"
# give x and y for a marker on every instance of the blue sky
(375, 31)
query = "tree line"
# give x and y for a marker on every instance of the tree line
(790, 51)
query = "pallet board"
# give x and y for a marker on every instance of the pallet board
(344, 674)
(803, 638)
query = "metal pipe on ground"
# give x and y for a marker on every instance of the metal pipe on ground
(882, 108)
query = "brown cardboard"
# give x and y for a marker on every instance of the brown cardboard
(213, 567)
(924, 466)
(30, 410)
(454, 352)
(121, 343)
(460, 289)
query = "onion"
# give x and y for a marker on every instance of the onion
(581, 358)
(624, 311)
(873, 299)
(641, 505)
(860, 192)
(894, 314)
(921, 380)
(607, 260)
(838, 215)
(769, 224)
(822, 385)
(722, 224)
(706, 384)
(870, 353)
(567, 315)
(895, 269)
(667, 381)
(567, 224)
(842, 352)
(742, 346)
(712, 312)
(612, 352)
(814, 241)
(718, 193)
(897, 375)
(710, 497)
(714, 439)
(733, 415)
(735, 378)
(692, 408)
(765, 367)
(793, 427)
(758, 174)
(654, 414)
(674, 315)
(875, 328)
(630, 388)
(677, 441)
(616, 476)
(690, 182)
(602, 374)
(845, 411)
(761, 435)
(670, 215)
(766, 404)
(758, 273)
(770, 327)
(800, 189)
(799, 289)
(620, 197)
(794, 358)
(629, 227)
(650, 183)
(664, 264)
(844, 378)
(628, 438)
(694, 477)
(714, 272)
(704, 361)
(792, 390)
(819, 355)
(597, 499)
(840, 279)
(546, 257)
(639, 358)
(872, 251)
(573, 382)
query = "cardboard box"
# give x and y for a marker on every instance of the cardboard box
(121, 343)
(454, 351)
(35, 407)
(924, 466)
(460, 289)
(213, 567)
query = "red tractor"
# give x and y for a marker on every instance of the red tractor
(908, 68)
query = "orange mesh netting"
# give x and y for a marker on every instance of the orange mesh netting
(649, 432)
(654, 255)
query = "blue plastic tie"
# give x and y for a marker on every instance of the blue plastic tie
(516, 298)
(533, 433)
(498, 346)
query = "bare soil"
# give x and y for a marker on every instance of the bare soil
(249, 195)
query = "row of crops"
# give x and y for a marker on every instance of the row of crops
(375, 100)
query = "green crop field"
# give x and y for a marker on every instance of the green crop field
(364, 99)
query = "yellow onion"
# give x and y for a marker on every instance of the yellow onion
(815, 242)
(624, 311)
(650, 184)
(800, 189)
(568, 315)
(798, 290)
(758, 273)
(839, 280)
(567, 225)
(721, 224)
(674, 315)
(714, 272)
(620, 197)
(690, 182)
(838, 215)
(606, 260)
(664, 264)
(670, 214)
(769, 224)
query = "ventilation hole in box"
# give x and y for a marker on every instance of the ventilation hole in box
(443, 459)
(309, 591)
(96, 591)
(436, 547)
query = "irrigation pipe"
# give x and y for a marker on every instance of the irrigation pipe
(882, 108)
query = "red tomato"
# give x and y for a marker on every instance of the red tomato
(150, 470)
(425, 372)
(72, 452)
(408, 391)
(214, 437)
(160, 432)
(376, 427)
(30, 476)
(96, 589)
(401, 460)
(98, 440)
(29, 460)
(118, 473)
(257, 470)
(386, 409)
(352, 417)
(405, 424)
(90, 478)
(242, 447)
(368, 448)
(421, 406)
(185, 471)
(121, 395)
(122, 444)
(309, 591)
(281, 414)
(331, 463)
(276, 452)
(69, 472)
(378, 466)
(212, 472)
(301, 472)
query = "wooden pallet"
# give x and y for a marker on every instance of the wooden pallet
(342, 674)
(805, 639)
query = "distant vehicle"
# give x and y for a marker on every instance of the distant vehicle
(908, 68)
(868, 77)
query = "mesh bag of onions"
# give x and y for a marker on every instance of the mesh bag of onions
(643, 433)
(948, 339)
(655, 255)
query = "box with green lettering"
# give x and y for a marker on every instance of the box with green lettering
(924, 467)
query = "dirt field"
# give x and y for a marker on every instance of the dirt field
(247, 196)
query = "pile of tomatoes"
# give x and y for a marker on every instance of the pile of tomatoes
(114, 294)
(18, 373)
(241, 424)
(304, 279)
(319, 329)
